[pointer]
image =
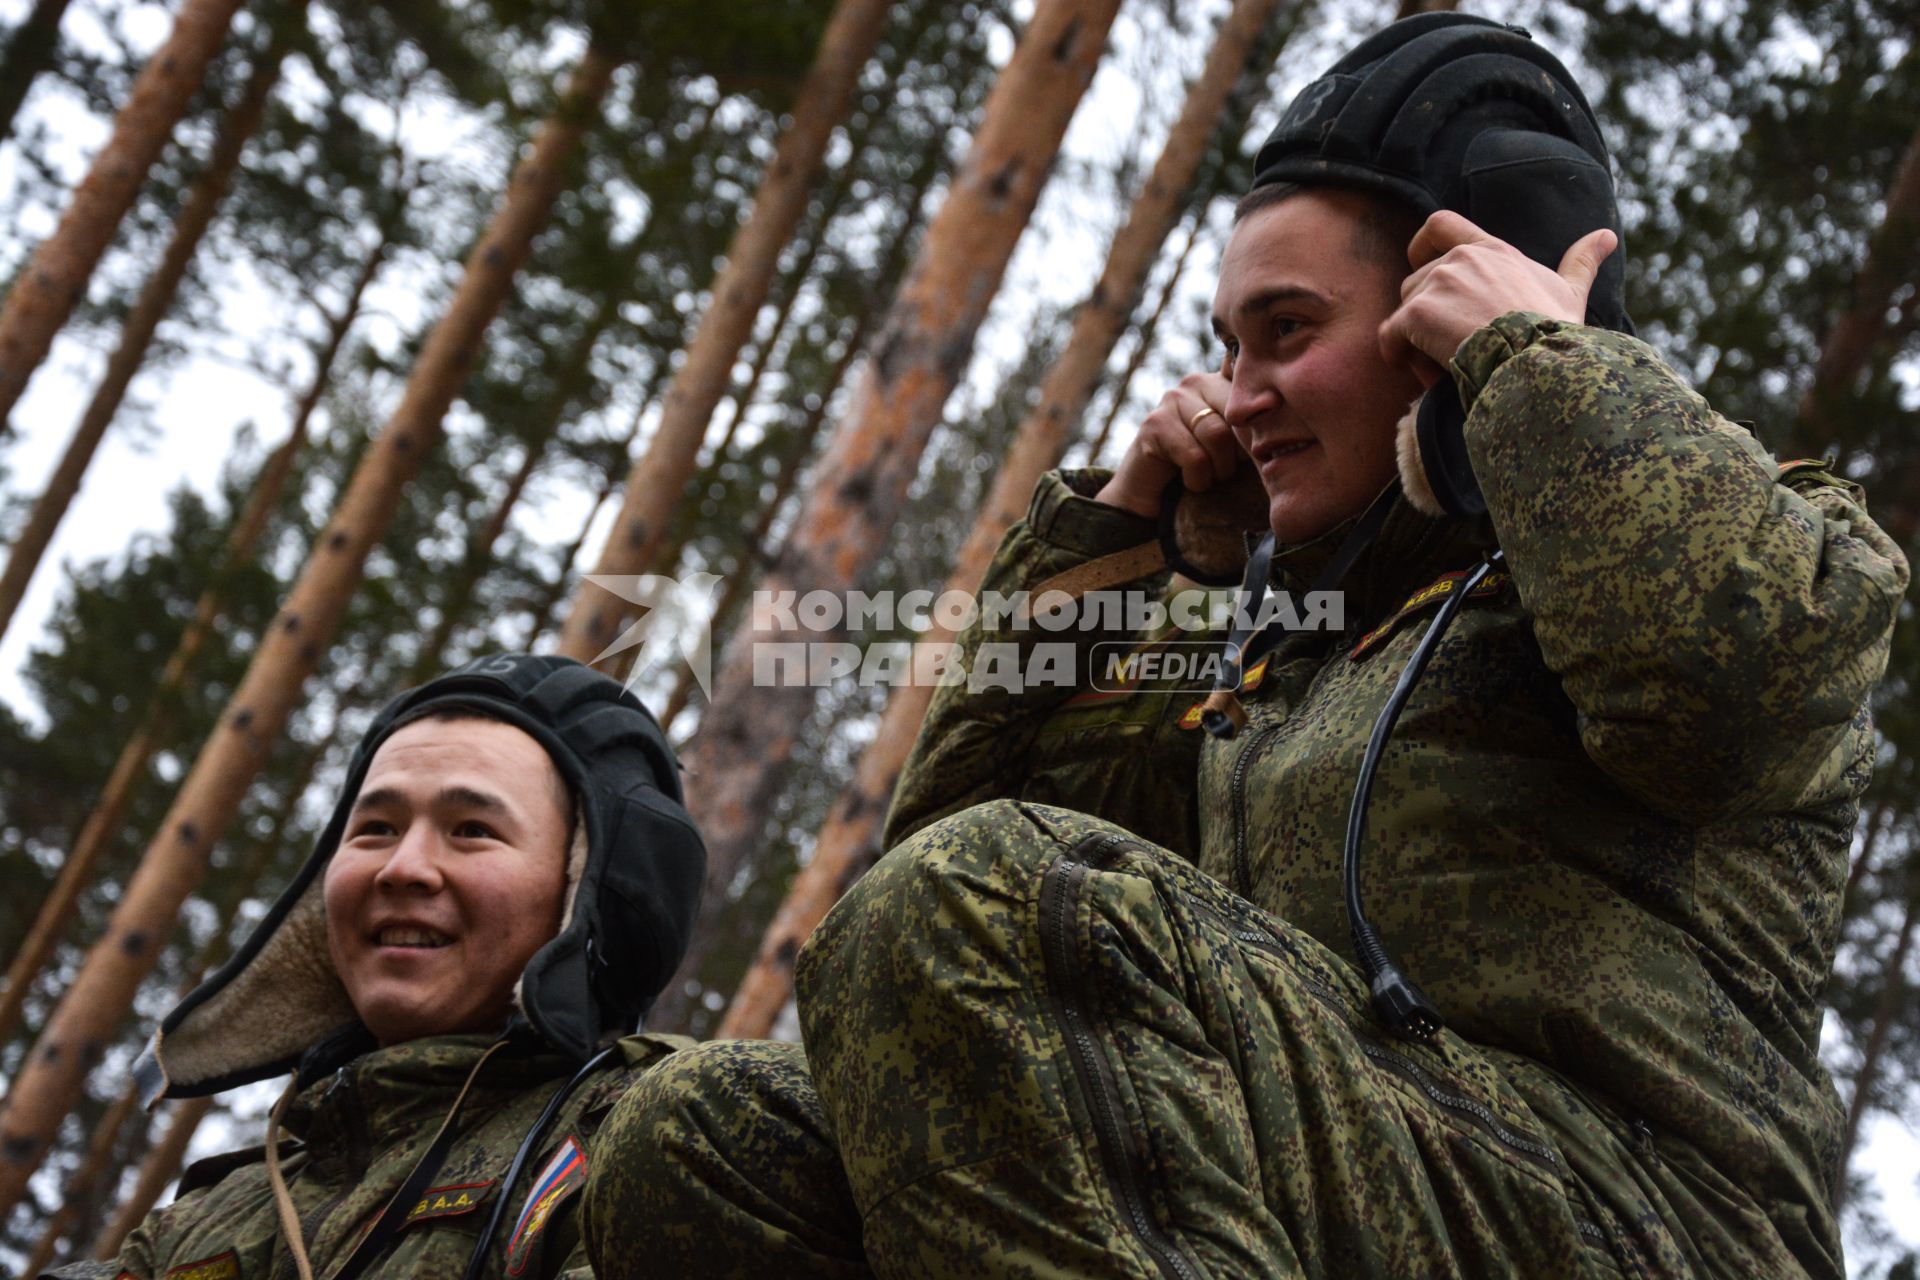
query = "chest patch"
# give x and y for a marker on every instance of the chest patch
(222, 1266)
(561, 1176)
(1193, 715)
(448, 1202)
(1427, 597)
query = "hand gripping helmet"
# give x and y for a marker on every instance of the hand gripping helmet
(634, 876)
(1448, 111)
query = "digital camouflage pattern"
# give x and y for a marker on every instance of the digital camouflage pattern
(1077, 1055)
(719, 1163)
(1609, 838)
(360, 1132)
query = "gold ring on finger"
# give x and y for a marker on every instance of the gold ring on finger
(1194, 421)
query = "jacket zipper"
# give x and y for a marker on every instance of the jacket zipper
(1242, 860)
(1255, 936)
(1483, 1119)
(1059, 898)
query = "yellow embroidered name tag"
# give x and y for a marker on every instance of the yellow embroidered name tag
(1434, 592)
(224, 1266)
(446, 1202)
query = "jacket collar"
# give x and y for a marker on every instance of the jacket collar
(395, 1089)
(1410, 551)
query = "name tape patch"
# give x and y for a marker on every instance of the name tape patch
(1248, 683)
(447, 1202)
(222, 1266)
(1432, 593)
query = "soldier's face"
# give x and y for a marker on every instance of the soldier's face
(450, 874)
(1313, 402)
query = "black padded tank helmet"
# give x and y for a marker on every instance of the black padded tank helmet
(1449, 111)
(634, 878)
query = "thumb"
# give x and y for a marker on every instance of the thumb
(1583, 258)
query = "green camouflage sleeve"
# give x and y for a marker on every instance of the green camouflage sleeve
(1120, 757)
(136, 1256)
(1715, 628)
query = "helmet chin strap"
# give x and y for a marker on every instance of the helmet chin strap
(1221, 714)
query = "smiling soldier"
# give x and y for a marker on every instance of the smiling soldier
(1110, 1005)
(451, 978)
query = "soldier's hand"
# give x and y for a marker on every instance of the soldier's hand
(1185, 435)
(1464, 278)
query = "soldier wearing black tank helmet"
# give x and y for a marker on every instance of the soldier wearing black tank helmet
(451, 983)
(1102, 1009)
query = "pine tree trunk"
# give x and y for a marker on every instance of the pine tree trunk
(570, 382)
(458, 597)
(1143, 339)
(136, 336)
(28, 54)
(542, 611)
(85, 1178)
(741, 398)
(1886, 1012)
(56, 279)
(886, 268)
(657, 481)
(747, 736)
(162, 1162)
(80, 1187)
(82, 1025)
(161, 1167)
(889, 264)
(754, 559)
(850, 840)
(1862, 861)
(104, 823)
(1892, 257)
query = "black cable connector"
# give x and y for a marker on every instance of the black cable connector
(1405, 1007)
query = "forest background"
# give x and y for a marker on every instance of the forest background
(312, 339)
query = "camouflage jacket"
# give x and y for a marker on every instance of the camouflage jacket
(1612, 827)
(355, 1136)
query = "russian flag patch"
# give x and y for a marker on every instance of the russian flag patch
(561, 1176)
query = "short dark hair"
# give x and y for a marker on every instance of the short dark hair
(1385, 228)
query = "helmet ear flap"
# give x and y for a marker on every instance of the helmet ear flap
(1440, 430)
(1541, 194)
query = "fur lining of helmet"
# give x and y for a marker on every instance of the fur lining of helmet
(1413, 472)
(274, 1009)
(290, 997)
